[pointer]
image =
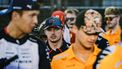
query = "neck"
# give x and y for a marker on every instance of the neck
(112, 30)
(13, 31)
(55, 45)
(80, 49)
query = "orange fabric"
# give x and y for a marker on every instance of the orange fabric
(68, 60)
(112, 61)
(113, 38)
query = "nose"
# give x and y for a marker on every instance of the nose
(52, 30)
(35, 20)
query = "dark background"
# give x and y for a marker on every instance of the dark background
(48, 6)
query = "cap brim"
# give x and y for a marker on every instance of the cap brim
(52, 27)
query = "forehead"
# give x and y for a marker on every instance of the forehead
(111, 15)
(70, 15)
(36, 12)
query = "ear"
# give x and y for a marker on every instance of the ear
(45, 32)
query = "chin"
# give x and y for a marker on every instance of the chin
(89, 46)
(29, 31)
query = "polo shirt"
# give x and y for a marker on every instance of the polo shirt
(68, 60)
(110, 58)
(50, 52)
(113, 38)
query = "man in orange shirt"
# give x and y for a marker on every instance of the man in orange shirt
(112, 18)
(93, 16)
(81, 54)
(111, 57)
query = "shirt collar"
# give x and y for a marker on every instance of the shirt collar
(72, 55)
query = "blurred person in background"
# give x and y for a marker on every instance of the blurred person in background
(70, 28)
(59, 14)
(110, 57)
(113, 31)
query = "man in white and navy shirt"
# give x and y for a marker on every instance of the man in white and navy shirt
(18, 49)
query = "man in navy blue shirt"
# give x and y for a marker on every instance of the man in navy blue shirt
(55, 43)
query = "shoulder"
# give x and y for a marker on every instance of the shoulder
(33, 38)
(40, 43)
(66, 43)
(114, 56)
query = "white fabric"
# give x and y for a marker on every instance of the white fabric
(27, 53)
(66, 34)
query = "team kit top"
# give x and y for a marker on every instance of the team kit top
(24, 53)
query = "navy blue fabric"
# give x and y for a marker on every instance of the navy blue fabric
(53, 21)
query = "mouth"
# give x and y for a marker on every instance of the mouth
(53, 36)
(91, 42)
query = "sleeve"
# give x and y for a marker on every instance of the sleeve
(102, 56)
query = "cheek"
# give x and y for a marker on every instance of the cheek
(81, 35)
(96, 37)
(46, 33)
(59, 32)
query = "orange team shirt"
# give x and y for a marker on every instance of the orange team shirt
(68, 60)
(113, 60)
(114, 37)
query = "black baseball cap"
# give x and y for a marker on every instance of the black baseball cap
(20, 5)
(25, 5)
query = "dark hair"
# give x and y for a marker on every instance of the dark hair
(80, 19)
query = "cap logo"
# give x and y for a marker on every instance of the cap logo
(57, 16)
(29, 6)
(17, 7)
(51, 21)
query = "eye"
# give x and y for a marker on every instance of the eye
(109, 18)
(57, 29)
(71, 19)
(48, 29)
